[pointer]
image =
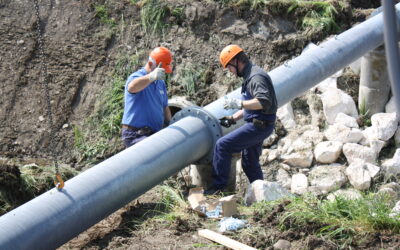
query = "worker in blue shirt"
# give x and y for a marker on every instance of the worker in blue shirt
(257, 107)
(146, 99)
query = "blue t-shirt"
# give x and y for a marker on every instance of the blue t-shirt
(145, 108)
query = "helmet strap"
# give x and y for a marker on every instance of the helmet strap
(237, 68)
(154, 63)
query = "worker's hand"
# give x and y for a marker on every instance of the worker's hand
(227, 121)
(157, 74)
(232, 103)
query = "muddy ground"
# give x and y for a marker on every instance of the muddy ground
(81, 52)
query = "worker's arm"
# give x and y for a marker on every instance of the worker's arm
(238, 115)
(139, 83)
(167, 115)
(262, 90)
(253, 104)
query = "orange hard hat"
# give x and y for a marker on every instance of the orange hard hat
(228, 53)
(162, 55)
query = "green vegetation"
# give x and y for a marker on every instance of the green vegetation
(102, 13)
(87, 148)
(320, 16)
(152, 17)
(37, 179)
(5, 203)
(21, 184)
(191, 76)
(194, 77)
(364, 118)
(341, 219)
(173, 203)
(177, 12)
(254, 4)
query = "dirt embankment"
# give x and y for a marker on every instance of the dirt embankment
(82, 48)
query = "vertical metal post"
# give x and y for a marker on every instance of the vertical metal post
(392, 48)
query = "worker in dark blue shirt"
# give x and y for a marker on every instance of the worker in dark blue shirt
(146, 99)
(257, 107)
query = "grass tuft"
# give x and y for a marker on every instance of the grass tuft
(341, 218)
(102, 13)
(152, 17)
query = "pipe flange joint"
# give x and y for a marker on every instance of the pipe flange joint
(207, 118)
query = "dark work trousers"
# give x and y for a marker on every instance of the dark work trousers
(130, 137)
(247, 139)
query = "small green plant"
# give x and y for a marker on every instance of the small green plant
(88, 146)
(152, 17)
(5, 204)
(253, 4)
(225, 1)
(341, 218)
(317, 15)
(177, 12)
(102, 13)
(172, 199)
(191, 76)
(364, 119)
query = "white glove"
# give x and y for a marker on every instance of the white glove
(232, 103)
(157, 74)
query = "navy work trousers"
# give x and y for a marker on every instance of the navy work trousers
(130, 137)
(247, 139)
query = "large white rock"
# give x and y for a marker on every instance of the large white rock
(313, 136)
(299, 184)
(301, 159)
(369, 134)
(376, 146)
(348, 194)
(355, 152)
(360, 174)
(346, 120)
(283, 178)
(336, 101)
(286, 116)
(396, 210)
(270, 140)
(328, 151)
(327, 178)
(385, 125)
(397, 137)
(391, 189)
(391, 167)
(339, 132)
(260, 190)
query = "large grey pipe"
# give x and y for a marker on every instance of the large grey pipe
(53, 218)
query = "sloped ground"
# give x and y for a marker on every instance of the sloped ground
(83, 45)
(129, 228)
